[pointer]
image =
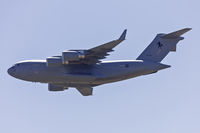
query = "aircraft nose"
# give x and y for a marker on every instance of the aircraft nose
(11, 71)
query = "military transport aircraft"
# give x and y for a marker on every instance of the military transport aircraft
(83, 69)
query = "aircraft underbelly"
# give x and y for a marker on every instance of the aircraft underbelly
(98, 74)
(119, 73)
(115, 78)
(83, 79)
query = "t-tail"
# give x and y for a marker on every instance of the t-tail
(162, 45)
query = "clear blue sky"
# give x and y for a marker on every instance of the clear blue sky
(165, 102)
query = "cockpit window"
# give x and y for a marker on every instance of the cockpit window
(16, 65)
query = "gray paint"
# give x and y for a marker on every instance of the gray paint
(85, 76)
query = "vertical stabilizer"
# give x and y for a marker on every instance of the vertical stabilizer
(162, 45)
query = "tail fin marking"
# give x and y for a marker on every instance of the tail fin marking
(162, 45)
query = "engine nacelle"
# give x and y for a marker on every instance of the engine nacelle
(68, 56)
(53, 87)
(54, 61)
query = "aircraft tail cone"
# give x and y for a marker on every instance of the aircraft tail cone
(163, 66)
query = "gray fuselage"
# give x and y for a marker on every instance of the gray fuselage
(79, 75)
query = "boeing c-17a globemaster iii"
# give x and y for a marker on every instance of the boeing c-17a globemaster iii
(84, 69)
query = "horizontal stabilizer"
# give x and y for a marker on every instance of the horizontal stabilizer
(176, 33)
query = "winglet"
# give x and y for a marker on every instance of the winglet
(176, 33)
(123, 36)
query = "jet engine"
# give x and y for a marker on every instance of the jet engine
(54, 61)
(70, 56)
(54, 87)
